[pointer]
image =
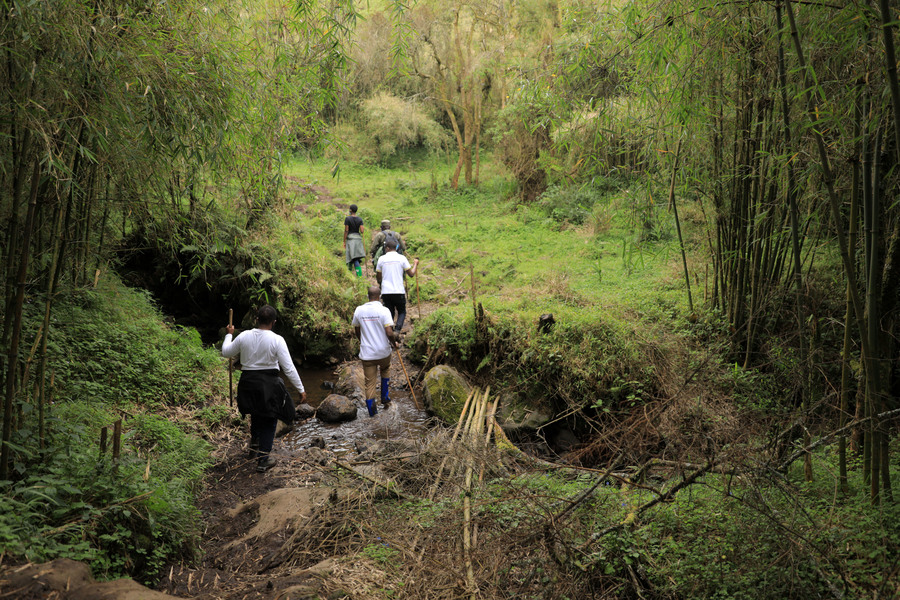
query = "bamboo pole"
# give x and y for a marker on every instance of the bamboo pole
(230, 367)
(687, 277)
(408, 382)
(17, 304)
(456, 431)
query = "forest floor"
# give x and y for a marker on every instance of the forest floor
(287, 534)
(301, 530)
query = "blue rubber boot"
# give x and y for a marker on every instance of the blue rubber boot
(385, 390)
(370, 404)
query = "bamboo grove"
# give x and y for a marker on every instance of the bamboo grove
(140, 119)
(137, 118)
(787, 114)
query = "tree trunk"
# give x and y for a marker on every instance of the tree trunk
(15, 335)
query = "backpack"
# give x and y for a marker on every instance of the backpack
(390, 235)
(382, 250)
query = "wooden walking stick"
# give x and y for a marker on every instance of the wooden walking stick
(230, 367)
(400, 357)
(418, 300)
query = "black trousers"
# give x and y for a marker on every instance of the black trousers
(396, 303)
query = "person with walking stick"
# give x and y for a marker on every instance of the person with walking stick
(374, 327)
(261, 393)
(389, 273)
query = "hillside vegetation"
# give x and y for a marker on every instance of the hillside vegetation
(703, 197)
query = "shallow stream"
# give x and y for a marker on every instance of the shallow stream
(400, 420)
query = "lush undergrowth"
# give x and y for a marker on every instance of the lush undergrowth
(543, 534)
(113, 357)
(602, 259)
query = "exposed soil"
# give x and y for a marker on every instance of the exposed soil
(263, 533)
(299, 530)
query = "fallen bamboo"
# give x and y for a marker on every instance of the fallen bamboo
(470, 432)
(459, 422)
(389, 487)
(490, 428)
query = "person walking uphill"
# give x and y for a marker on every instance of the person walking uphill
(379, 242)
(261, 393)
(353, 242)
(389, 273)
(374, 330)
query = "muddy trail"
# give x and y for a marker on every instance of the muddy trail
(261, 530)
(296, 531)
(307, 528)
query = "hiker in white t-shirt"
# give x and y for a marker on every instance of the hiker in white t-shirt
(389, 273)
(374, 329)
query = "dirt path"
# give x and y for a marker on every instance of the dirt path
(268, 535)
(255, 524)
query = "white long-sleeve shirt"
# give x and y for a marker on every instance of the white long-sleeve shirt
(262, 349)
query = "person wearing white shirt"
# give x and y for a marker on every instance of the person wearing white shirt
(261, 392)
(373, 324)
(389, 273)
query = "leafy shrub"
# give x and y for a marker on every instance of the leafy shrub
(522, 147)
(126, 517)
(573, 205)
(396, 124)
(111, 343)
(577, 363)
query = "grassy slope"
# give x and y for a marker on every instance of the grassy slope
(613, 309)
(113, 357)
(512, 250)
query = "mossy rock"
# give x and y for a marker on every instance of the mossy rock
(445, 393)
(517, 415)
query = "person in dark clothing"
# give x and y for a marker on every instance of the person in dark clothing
(261, 393)
(380, 239)
(354, 250)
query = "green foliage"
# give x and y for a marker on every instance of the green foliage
(381, 552)
(394, 124)
(110, 351)
(573, 205)
(759, 542)
(77, 504)
(110, 343)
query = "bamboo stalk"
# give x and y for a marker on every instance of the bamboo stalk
(456, 431)
(687, 277)
(230, 367)
(17, 307)
(467, 534)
